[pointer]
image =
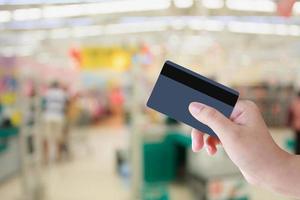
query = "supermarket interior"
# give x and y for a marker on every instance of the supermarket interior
(75, 76)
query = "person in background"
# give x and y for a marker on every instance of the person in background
(55, 102)
(72, 114)
(294, 120)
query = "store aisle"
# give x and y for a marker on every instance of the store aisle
(91, 174)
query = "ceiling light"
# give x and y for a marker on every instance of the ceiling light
(27, 14)
(213, 4)
(250, 27)
(183, 3)
(209, 25)
(296, 8)
(5, 16)
(252, 5)
(294, 30)
(63, 11)
(264, 28)
(37, 2)
(281, 29)
(135, 27)
(213, 25)
(126, 6)
(104, 8)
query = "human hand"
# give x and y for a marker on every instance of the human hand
(245, 138)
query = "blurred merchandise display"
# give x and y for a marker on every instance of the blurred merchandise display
(9, 153)
(228, 189)
(155, 192)
(10, 118)
(9, 113)
(165, 160)
(31, 140)
(209, 175)
(273, 101)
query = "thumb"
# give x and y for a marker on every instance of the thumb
(212, 118)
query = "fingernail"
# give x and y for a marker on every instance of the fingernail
(208, 150)
(193, 147)
(195, 107)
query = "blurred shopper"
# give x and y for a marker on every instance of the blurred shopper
(55, 102)
(248, 143)
(72, 115)
(116, 102)
(294, 121)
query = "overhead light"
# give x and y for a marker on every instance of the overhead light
(104, 8)
(63, 11)
(213, 25)
(183, 3)
(296, 8)
(140, 27)
(27, 14)
(5, 16)
(87, 31)
(213, 4)
(126, 6)
(294, 30)
(281, 29)
(252, 5)
(264, 28)
(37, 2)
(205, 24)
(250, 27)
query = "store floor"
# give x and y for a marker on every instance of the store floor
(90, 174)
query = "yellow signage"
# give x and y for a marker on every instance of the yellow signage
(94, 58)
(8, 98)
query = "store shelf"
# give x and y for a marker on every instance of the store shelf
(161, 157)
(8, 132)
(10, 159)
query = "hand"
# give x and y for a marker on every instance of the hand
(245, 138)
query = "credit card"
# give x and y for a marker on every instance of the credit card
(177, 87)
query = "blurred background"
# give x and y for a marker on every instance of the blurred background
(75, 76)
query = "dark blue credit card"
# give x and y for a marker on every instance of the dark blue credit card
(177, 87)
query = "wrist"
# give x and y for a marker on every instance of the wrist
(277, 172)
